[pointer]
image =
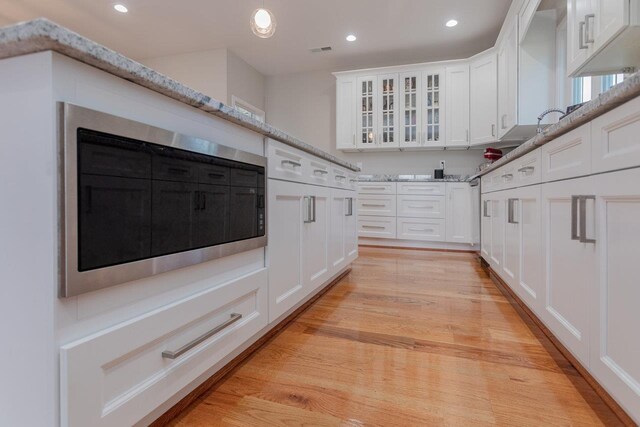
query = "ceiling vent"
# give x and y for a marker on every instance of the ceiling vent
(321, 49)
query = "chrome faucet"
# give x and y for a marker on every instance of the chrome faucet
(542, 116)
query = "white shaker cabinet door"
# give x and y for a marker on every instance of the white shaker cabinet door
(569, 262)
(457, 93)
(316, 267)
(526, 212)
(498, 221)
(286, 213)
(615, 317)
(346, 113)
(485, 227)
(351, 227)
(483, 96)
(459, 212)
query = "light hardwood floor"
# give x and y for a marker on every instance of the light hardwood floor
(409, 338)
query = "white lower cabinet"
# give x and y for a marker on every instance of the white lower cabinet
(342, 240)
(459, 218)
(569, 262)
(614, 314)
(117, 376)
(485, 227)
(497, 230)
(298, 243)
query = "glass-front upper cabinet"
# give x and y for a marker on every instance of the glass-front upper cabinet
(367, 107)
(410, 111)
(433, 108)
(387, 134)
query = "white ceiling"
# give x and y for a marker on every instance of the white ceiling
(390, 32)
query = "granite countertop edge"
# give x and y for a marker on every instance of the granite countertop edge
(396, 178)
(605, 102)
(41, 35)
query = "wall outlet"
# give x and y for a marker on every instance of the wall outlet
(442, 164)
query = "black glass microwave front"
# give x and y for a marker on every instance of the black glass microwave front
(139, 200)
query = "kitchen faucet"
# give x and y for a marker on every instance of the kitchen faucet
(544, 113)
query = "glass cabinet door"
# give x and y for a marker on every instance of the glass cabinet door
(366, 111)
(410, 101)
(387, 134)
(433, 108)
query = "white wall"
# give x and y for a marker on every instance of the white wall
(204, 71)
(245, 82)
(304, 105)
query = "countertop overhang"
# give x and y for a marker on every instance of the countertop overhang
(42, 35)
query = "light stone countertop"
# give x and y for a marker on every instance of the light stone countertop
(607, 101)
(42, 35)
(410, 178)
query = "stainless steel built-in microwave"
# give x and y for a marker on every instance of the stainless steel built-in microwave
(137, 200)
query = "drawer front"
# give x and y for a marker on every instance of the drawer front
(528, 170)
(421, 206)
(118, 376)
(616, 138)
(377, 188)
(377, 227)
(353, 180)
(422, 188)
(377, 205)
(507, 177)
(339, 178)
(286, 163)
(496, 179)
(567, 156)
(428, 230)
(485, 182)
(317, 171)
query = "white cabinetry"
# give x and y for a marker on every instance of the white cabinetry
(346, 112)
(602, 36)
(433, 108)
(459, 216)
(377, 118)
(508, 80)
(367, 107)
(342, 239)
(483, 98)
(410, 109)
(315, 238)
(457, 93)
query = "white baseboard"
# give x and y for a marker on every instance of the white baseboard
(415, 244)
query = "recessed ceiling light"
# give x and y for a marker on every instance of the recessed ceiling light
(351, 38)
(121, 8)
(451, 23)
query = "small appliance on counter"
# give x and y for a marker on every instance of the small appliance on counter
(438, 174)
(492, 154)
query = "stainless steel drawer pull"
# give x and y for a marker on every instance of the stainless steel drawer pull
(167, 354)
(419, 207)
(421, 229)
(292, 163)
(507, 176)
(341, 177)
(320, 171)
(371, 205)
(374, 188)
(583, 219)
(375, 227)
(526, 169)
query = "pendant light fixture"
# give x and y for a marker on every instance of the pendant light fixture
(263, 23)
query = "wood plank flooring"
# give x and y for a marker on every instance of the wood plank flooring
(409, 338)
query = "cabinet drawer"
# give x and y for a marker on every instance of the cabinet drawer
(377, 188)
(377, 226)
(422, 188)
(338, 178)
(377, 205)
(567, 156)
(428, 230)
(316, 171)
(616, 138)
(171, 169)
(421, 206)
(506, 177)
(286, 163)
(353, 180)
(528, 170)
(119, 375)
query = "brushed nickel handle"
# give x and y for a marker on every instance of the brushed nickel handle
(354, 139)
(419, 207)
(374, 227)
(341, 177)
(373, 188)
(292, 163)
(168, 354)
(583, 219)
(504, 118)
(486, 209)
(467, 140)
(581, 44)
(371, 205)
(508, 176)
(311, 209)
(320, 171)
(421, 229)
(511, 211)
(527, 169)
(587, 29)
(349, 206)
(493, 130)
(574, 217)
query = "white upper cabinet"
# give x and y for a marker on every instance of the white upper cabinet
(602, 36)
(387, 132)
(346, 113)
(457, 93)
(366, 121)
(508, 80)
(433, 108)
(410, 111)
(483, 98)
